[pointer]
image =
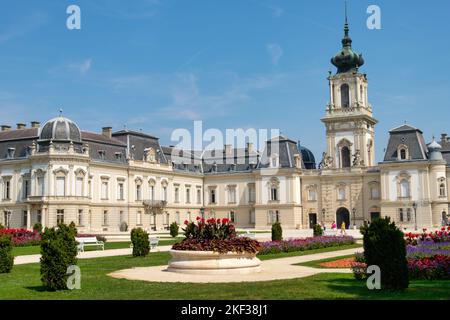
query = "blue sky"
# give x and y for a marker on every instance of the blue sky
(157, 65)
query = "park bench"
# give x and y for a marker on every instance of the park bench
(88, 242)
(248, 235)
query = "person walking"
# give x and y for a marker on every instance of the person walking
(343, 228)
(333, 226)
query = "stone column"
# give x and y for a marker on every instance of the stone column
(28, 217)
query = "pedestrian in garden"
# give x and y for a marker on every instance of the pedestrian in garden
(333, 226)
(343, 228)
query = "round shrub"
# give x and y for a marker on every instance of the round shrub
(140, 241)
(317, 230)
(58, 252)
(6, 257)
(277, 232)
(174, 229)
(384, 246)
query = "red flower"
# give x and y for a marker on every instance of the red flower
(186, 222)
(218, 220)
(203, 220)
(198, 218)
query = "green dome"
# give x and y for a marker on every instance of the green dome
(347, 60)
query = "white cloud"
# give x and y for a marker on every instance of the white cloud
(275, 51)
(82, 67)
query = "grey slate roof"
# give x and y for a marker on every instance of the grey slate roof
(409, 136)
(285, 148)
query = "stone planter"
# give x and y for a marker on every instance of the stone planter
(209, 262)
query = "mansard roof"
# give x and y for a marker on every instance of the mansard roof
(410, 137)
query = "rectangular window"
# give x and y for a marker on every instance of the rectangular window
(408, 214)
(152, 193)
(177, 194)
(105, 217)
(212, 198)
(104, 191)
(60, 186)
(138, 192)
(274, 194)
(26, 188)
(139, 218)
(312, 195)
(231, 194)
(164, 193)
(341, 193)
(232, 216)
(79, 187)
(166, 218)
(177, 217)
(90, 189)
(401, 216)
(252, 217)
(189, 217)
(120, 191)
(251, 194)
(7, 190)
(80, 217)
(39, 216)
(59, 216)
(374, 193)
(25, 218)
(199, 196)
(188, 195)
(40, 186)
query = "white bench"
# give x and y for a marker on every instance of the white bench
(153, 243)
(248, 235)
(89, 242)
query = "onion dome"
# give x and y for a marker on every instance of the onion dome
(347, 60)
(60, 129)
(434, 150)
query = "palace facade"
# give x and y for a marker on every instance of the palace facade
(58, 173)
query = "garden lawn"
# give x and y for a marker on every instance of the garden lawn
(22, 251)
(24, 283)
(307, 252)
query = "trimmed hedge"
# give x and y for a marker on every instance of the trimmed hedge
(141, 243)
(174, 229)
(277, 232)
(317, 230)
(58, 252)
(6, 256)
(384, 246)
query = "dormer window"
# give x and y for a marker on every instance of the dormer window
(274, 161)
(101, 154)
(402, 153)
(11, 152)
(118, 155)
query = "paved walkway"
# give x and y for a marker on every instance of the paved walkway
(276, 269)
(35, 258)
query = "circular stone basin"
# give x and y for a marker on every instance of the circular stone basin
(209, 262)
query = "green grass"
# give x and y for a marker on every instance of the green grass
(316, 264)
(24, 283)
(307, 252)
(22, 251)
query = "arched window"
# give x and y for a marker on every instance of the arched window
(345, 153)
(442, 190)
(273, 189)
(345, 96)
(402, 152)
(404, 189)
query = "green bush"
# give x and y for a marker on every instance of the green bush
(6, 257)
(317, 230)
(58, 252)
(277, 232)
(140, 241)
(174, 229)
(123, 226)
(384, 246)
(37, 227)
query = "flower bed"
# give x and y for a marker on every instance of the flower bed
(239, 245)
(339, 263)
(433, 268)
(442, 235)
(311, 243)
(23, 237)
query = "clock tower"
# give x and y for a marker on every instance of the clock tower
(348, 117)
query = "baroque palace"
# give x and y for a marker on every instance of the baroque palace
(57, 173)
